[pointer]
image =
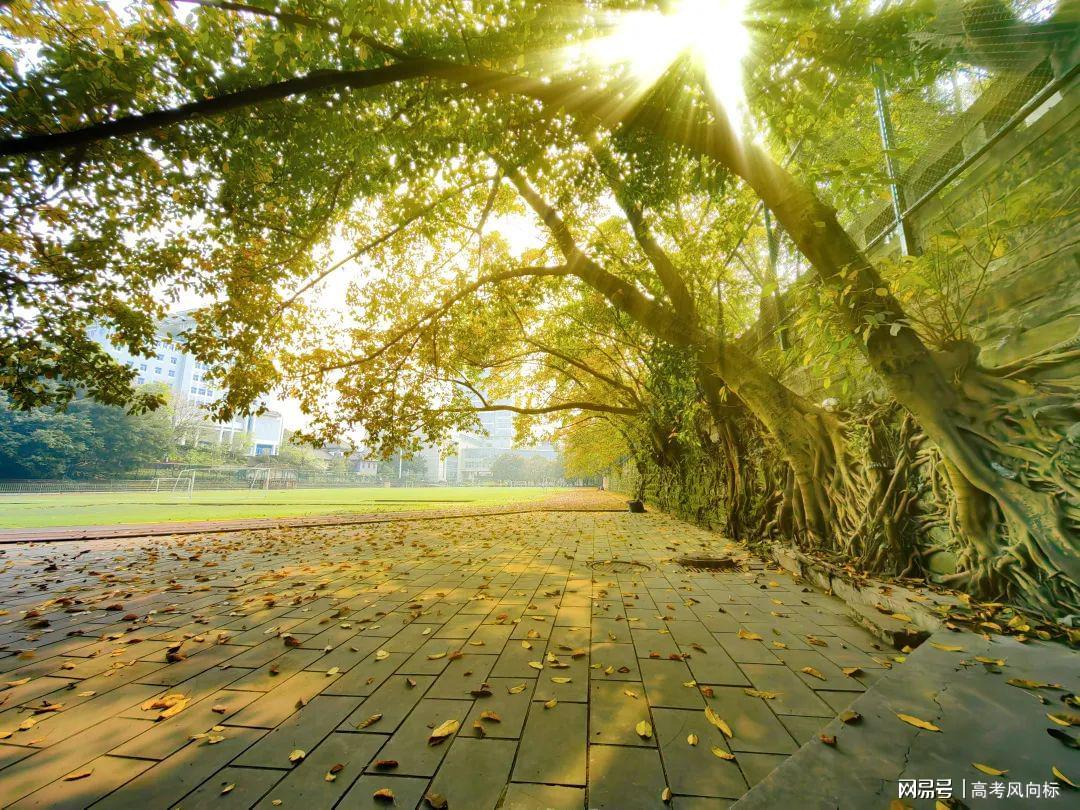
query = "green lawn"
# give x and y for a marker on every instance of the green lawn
(98, 509)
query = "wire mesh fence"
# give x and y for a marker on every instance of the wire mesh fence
(184, 482)
(903, 140)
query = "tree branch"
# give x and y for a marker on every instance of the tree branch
(374, 243)
(650, 313)
(298, 19)
(562, 406)
(446, 305)
(582, 366)
(670, 277)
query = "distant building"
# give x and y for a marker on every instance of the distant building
(474, 454)
(186, 377)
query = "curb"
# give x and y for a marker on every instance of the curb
(899, 616)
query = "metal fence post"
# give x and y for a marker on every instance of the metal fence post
(888, 142)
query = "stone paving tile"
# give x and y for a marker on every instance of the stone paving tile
(106, 775)
(407, 791)
(981, 716)
(553, 745)
(393, 700)
(665, 683)
(756, 767)
(170, 780)
(542, 797)
(248, 785)
(612, 660)
(372, 607)
(756, 728)
(512, 708)
(409, 744)
(699, 803)
(367, 676)
(794, 696)
(168, 736)
(804, 729)
(623, 778)
(615, 709)
(834, 679)
(65, 757)
(694, 769)
(281, 702)
(303, 731)
(461, 676)
(744, 651)
(475, 772)
(306, 786)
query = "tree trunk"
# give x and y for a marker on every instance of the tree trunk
(1038, 551)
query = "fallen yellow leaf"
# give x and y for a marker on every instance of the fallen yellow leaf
(716, 720)
(761, 694)
(915, 721)
(946, 647)
(443, 731)
(1063, 777)
(1063, 719)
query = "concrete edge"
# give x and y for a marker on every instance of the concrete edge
(872, 603)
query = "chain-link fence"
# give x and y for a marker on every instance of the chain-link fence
(901, 141)
(202, 480)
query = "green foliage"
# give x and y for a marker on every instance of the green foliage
(512, 467)
(227, 207)
(301, 457)
(87, 440)
(508, 467)
(402, 468)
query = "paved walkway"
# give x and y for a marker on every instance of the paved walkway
(308, 668)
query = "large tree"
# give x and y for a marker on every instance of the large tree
(272, 129)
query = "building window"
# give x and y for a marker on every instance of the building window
(172, 360)
(157, 369)
(142, 366)
(139, 380)
(172, 372)
(194, 389)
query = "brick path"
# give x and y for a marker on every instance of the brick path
(293, 637)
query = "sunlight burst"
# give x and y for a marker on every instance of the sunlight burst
(713, 31)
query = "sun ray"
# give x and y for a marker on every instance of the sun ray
(647, 43)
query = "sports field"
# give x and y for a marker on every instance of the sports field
(103, 508)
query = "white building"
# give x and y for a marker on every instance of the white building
(192, 391)
(474, 454)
